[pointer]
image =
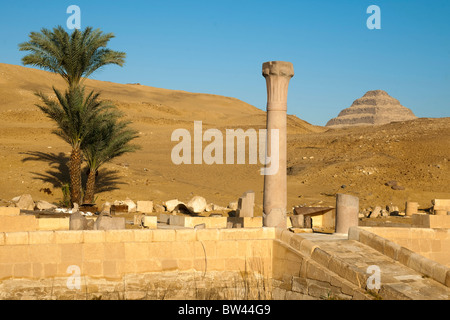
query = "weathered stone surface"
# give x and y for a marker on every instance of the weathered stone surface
(171, 204)
(106, 207)
(347, 210)
(106, 222)
(233, 205)
(375, 213)
(278, 75)
(131, 205)
(145, 206)
(44, 205)
(197, 204)
(77, 221)
(246, 205)
(9, 211)
(159, 208)
(375, 107)
(25, 202)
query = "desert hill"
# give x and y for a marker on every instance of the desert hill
(321, 161)
(32, 158)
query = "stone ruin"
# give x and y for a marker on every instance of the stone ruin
(374, 108)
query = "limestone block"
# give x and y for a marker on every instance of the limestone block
(137, 219)
(171, 204)
(150, 222)
(131, 205)
(105, 222)
(164, 218)
(191, 222)
(246, 222)
(18, 223)
(246, 204)
(53, 223)
(78, 222)
(411, 208)
(25, 202)
(431, 221)
(44, 205)
(145, 206)
(9, 211)
(197, 204)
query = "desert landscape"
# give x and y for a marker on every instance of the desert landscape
(322, 161)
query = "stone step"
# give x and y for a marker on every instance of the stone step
(354, 261)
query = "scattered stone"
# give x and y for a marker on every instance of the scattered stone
(394, 214)
(137, 219)
(107, 222)
(209, 207)
(159, 208)
(215, 215)
(375, 213)
(77, 221)
(171, 204)
(391, 183)
(25, 202)
(131, 205)
(218, 208)
(384, 213)
(106, 207)
(145, 206)
(392, 208)
(397, 187)
(44, 205)
(246, 205)
(233, 205)
(197, 204)
(150, 222)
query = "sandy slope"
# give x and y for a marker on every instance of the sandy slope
(414, 153)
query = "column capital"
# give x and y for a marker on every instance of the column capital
(278, 68)
(277, 74)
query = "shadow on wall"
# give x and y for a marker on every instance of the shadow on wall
(58, 172)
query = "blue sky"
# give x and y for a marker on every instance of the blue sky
(218, 47)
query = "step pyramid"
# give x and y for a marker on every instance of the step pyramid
(375, 107)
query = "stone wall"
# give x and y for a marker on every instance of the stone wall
(44, 258)
(257, 263)
(424, 250)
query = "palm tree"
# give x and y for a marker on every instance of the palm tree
(109, 139)
(75, 115)
(73, 56)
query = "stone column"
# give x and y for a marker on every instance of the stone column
(411, 208)
(277, 74)
(347, 210)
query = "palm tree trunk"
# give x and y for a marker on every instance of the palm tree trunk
(90, 187)
(75, 176)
